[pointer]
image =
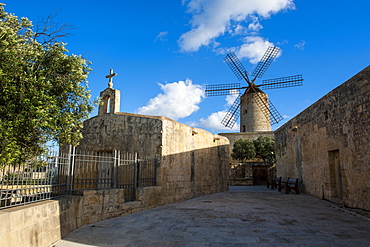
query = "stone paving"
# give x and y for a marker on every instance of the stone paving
(243, 216)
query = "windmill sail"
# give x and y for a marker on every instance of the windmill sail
(289, 81)
(222, 89)
(265, 62)
(236, 66)
(268, 109)
(233, 114)
(264, 104)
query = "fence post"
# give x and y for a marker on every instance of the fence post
(135, 177)
(116, 154)
(72, 152)
(138, 171)
(68, 170)
(155, 169)
(135, 171)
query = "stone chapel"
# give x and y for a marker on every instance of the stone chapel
(193, 162)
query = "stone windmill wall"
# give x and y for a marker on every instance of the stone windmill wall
(252, 119)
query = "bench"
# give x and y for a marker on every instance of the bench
(291, 184)
(276, 183)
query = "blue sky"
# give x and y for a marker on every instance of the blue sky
(165, 52)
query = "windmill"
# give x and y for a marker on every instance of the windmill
(257, 113)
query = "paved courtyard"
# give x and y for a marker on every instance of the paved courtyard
(243, 216)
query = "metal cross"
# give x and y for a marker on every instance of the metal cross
(110, 76)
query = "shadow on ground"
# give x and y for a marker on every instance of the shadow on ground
(242, 216)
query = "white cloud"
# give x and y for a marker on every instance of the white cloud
(214, 18)
(239, 29)
(162, 36)
(253, 48)
(300, 45)
(213, 122)
(231, 98)
(179, 100)
(254, 26)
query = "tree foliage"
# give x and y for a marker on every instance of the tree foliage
(265, 148)
(243, 150)
(43, 91)
(262, 148)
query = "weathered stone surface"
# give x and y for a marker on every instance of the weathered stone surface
(110, 101)
(194, 162)
(126, 132)
(327, 145)
(36, 224)
(252, 118)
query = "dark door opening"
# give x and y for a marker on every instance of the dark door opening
(335, 174)
(260, 175)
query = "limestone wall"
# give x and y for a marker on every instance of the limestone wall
(194, 162)
(327, 145)
(122, 131)
(41, 224)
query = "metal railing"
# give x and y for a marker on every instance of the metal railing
(59, 174)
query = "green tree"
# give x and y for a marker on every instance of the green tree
(262, 148)
(265, 148)
(243, 150)
(43, 90)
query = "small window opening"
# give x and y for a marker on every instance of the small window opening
(326, 115)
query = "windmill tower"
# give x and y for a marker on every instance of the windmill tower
(256, 111)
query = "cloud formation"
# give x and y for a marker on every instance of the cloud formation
(300, 45)
(253, 48)
(162, 36)
(179, 100)
(214, 18)
(213, 121)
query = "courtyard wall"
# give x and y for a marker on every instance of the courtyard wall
(193, 162)
(327, 145)
(42, 224)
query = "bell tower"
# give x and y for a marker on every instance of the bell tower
(110, 97)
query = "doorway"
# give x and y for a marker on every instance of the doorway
(260, 175)
(335, 175)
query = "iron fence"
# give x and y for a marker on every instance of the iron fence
(59, 174)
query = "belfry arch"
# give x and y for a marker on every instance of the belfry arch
(110, 97)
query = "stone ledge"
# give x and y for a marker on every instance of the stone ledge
(241, 181)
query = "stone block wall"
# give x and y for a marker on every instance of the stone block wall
(241, 174)
(31, 225)
(194, 162)
(123, 131)
(41, 224)
(327, 145)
